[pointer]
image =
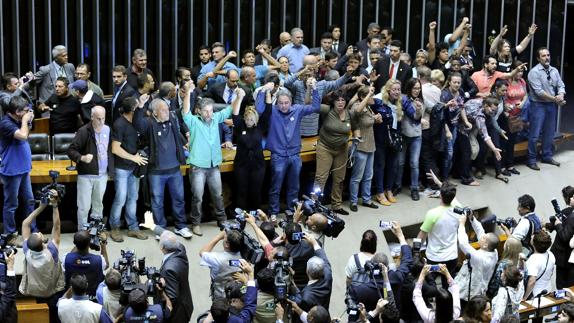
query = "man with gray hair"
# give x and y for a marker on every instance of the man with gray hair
(294, 51)
(161, 132)
(91, 150)
(139, 66)
(318, 289)
(174, 270)
(46, 76)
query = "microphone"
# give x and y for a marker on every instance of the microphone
(542, 293)
(539, 296)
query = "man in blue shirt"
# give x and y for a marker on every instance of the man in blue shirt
(16, 164)
(547, 92)
(284, 141)
(295, 51)
(205, 155)
(214, 71)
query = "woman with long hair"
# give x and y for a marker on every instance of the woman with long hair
(364, 151)
(447, 302)
(478, 309)
(249, 163)
(516, 99)
(511, 255)
(503, 51)
(389, 108)
(411, 131)
(332, 148)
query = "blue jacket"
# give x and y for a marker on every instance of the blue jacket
(248, 311)
(284, 138)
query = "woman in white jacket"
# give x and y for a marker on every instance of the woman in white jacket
(509, 295)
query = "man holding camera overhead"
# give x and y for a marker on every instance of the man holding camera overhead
(91, 150)
(43, 276)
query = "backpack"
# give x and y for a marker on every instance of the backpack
(361, 276)
(532, 229)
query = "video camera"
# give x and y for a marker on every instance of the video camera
(95, 227)
(282, 277)
(251, 249)
(551, 225)
(7, 249)
(130, 273)
(310, 206)
(372, 268)
(44, 194)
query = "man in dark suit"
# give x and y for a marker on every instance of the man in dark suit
(265, 44)
(224, 93)
(339, 46)
(48, 74)
(175, 271)
(391, 67)
(122, 90)
(326, 46)
(8, 311)
(318, 289)
(373, 44)
(284, 39)
(372, 29)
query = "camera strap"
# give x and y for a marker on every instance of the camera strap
(545, 266)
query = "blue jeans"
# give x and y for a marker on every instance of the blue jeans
(413, 145)
(17, 187)
(448, 154)
(197, 178)
(174, 182)
(361, 175)
(127, 187)
(385, 168)
(281, 168)
(542, 119)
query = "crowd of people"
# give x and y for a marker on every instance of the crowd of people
(371, 107)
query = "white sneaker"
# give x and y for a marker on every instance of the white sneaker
(157, 237)
(184, 232)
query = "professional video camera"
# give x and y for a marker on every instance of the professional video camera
(282, 277)
(313, 205)
(130, 273)
(44, 194)
(466, 211)
(7, 249)
(96, 226)
(372, 268)
(251, 249)
(551, 225)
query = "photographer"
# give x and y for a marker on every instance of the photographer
(75, 306)
(440, 227)
(539, 266)
(43, 277)
(262, 238)
(317, 314)
(265, 310)
(378, 286)
(357, 261)
(477, 270)
(300, 253)
(218, 262)
(81, 261)
(447, 301)
(109, 292)
(315, 223)
(139, 310)
(528, 225)
(8, 311)
(318, 288)
(561, 246)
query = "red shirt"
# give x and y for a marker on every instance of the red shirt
(483, 81)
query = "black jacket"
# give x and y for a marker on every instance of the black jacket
(561, 246)
(318, 293)
(85, 143)
(8, 312)
(145, 126)
(175, 271)
(382, 67)
(112, 112)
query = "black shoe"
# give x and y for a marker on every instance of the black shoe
(505, 172)
(341, 211)
(397, 190)
(533, 166)
(415, 195)
(513, 171)
(354, 207)
(551, 161)
(371, 205)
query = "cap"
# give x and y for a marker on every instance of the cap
(79, 85)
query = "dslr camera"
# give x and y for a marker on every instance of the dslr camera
(353, 311)
(7, 249)
(551, 225)
(466, 211)
(310, 206)
(251, 249)
(45, 193)
(509, 222)
(372, 268)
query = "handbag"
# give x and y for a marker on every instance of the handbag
(515, 124)
(395, 139)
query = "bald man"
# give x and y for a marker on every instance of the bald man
(284, 39)
(91, 150)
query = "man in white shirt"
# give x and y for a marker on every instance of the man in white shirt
(481, 262)
(528, 225)
(540, 266)
(75, 305)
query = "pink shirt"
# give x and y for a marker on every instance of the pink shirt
(483, 81)
(514, 95)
